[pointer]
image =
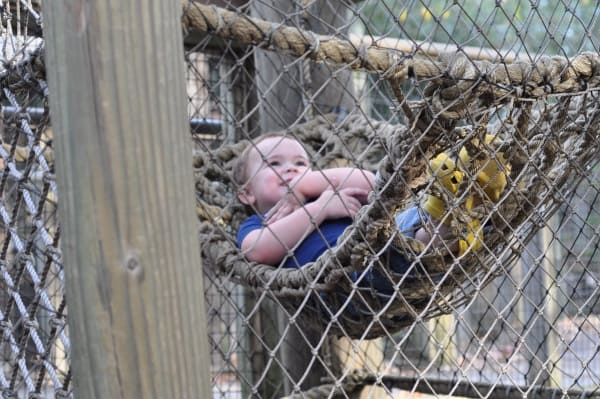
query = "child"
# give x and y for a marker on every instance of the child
(301, 212)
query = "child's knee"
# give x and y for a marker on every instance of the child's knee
(437, 235)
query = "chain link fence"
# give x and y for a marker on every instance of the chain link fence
(518, 317)
(532, 329)
(34, 341)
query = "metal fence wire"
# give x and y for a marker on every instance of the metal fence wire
(508, 91)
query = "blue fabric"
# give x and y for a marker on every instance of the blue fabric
(311, 248)
(409, 221)
(326, 237)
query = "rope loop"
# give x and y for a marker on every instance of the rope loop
(362, 55)
(313, 50)
(268, 37)
(219, 27)
(401, 68)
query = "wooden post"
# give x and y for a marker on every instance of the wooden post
(537, 327)
(551, 309)
(366, 355)
(442, 341)
(124, 171)
(291, 92)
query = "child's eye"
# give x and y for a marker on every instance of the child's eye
(274, 163)
(301, 163)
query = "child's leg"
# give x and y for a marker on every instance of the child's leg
(437, 235)
(415, 223)
(431, 224)
(410, 222)
(394, 260)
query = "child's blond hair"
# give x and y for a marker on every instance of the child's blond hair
(240, 165)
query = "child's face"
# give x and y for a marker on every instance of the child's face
(272, 165)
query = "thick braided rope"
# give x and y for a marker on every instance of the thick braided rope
(549, 75)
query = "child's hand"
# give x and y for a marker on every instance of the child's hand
(360, 194)
(286, 205)
(343, 203)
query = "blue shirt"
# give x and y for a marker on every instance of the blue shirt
(312, 246)
(326, 236)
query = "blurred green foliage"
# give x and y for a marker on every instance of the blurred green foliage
(527, 27)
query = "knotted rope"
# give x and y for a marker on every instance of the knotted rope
(548, 75)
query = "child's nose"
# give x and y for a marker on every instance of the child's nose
(291, 167)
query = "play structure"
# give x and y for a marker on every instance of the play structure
(486, 116)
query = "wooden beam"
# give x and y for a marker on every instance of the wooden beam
(364, 356)
(124, 172)
(551, 312)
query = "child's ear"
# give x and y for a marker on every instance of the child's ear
(246, 198)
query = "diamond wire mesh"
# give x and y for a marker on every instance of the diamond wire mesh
(34, 343)
(535, 324)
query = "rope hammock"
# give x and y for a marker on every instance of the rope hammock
(546, 115)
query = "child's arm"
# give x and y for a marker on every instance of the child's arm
(313, 183)
(272, 243)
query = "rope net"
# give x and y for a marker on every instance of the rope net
(486, 111)
(387, 87)
(34, 343)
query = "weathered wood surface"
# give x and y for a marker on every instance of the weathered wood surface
(133, 272)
